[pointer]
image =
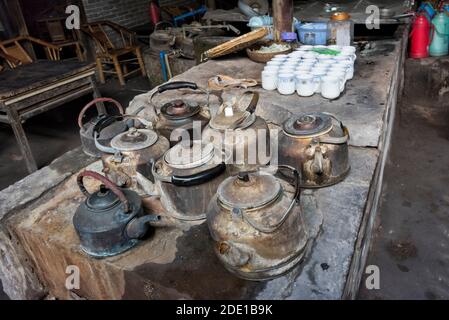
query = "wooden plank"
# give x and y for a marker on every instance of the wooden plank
(37, 75)
(41, 97)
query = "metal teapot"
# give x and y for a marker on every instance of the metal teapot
(316, 144)
(188, 176)
(110, 220)
(257, 225)
(239, 132)
(180, 114)
(112, 126)
(129, 160)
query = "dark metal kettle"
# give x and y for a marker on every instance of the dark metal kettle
(110, 220)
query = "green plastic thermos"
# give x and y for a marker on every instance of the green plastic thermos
(439, 35)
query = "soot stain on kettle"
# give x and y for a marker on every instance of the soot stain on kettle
(196, 273)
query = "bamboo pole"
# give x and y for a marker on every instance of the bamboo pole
(282, 17)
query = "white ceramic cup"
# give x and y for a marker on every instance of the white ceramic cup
(317, 75)
(350, 68)
(269, 80)
(303, 69)
(325, 57)
(309, 60)
(286, 70)
(340, 74)
(320, 69)
(310, 55)
(350, 56)
(293, 60)
(340, 58)
(296, 54)
(331, 87)
(340, 69)
(271, 68)
(321, 66)
(286, 83)
(305, 86)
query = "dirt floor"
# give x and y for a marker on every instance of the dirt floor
(411, 244)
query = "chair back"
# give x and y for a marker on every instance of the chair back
(108, 35)
(14, 49)
(56, 30)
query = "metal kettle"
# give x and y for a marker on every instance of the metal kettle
(112, 126)
(238, 131)
(129, 160)
(180, 114)
(257, 224)
(316, 144)
(110, 220)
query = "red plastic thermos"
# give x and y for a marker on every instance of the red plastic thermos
(154, 13)
(420, 38)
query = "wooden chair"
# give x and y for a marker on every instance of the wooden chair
(58, 36)
(116, 53)
(8, 59)
(17, 54)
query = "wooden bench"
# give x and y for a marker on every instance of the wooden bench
(35, 88)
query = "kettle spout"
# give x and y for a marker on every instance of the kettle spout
(139, 227)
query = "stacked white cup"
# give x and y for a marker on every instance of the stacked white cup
(308, 72)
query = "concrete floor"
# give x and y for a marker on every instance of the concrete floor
(411, 244)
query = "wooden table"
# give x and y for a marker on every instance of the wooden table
(36, 88)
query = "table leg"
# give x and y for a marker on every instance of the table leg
(97, 94)
(21, 138)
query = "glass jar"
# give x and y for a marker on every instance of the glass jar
(341, 29)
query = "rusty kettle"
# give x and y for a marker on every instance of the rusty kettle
(110, 220)
(257, 225)
(238, 131)
(180, 114)
(316, 144)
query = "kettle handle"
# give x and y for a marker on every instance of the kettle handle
(96, 100)
(336, 140)
(175, 85)
(295, 201)
(107, 183)
(254, 101)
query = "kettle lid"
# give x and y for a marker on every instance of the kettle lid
(249, 190)
(308, 125)
(103, 199)
(231, 117)
(134, 139)
(179, 109)
(189, 156)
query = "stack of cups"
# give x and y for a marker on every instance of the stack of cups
(307, 72)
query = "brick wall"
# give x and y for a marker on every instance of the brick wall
(128, 13)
